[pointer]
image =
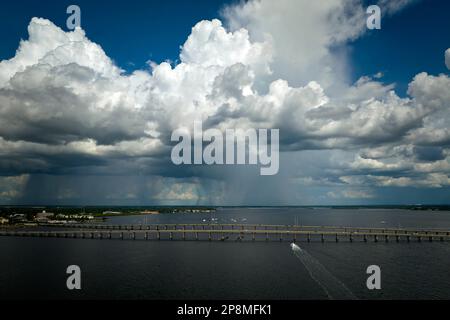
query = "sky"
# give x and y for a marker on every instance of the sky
(86, 116)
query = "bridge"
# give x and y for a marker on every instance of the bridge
(231, 232)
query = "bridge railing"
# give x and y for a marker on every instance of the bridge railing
(372, 230)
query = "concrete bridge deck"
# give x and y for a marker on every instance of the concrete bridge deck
(193, 232)
(227, 227)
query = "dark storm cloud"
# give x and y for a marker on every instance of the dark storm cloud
(42, 105)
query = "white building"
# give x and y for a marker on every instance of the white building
(44, 216)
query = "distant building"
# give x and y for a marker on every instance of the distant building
(111, 213)
(75, 217)
(44, 216)
(17, 218)
(57, 222)
(149, 212)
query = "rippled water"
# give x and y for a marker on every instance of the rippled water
(35, 268)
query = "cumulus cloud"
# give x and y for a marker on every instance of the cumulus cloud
(51, 46)
(66, 108)
(308, 37)
(302, 34)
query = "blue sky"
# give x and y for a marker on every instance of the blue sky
(410, 42)
(75, 130)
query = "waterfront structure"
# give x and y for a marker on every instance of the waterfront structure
(240, 233)
(44, 216)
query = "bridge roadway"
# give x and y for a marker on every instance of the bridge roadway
(251, 227)
(229, 232)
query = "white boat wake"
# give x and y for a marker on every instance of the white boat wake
(334, 289)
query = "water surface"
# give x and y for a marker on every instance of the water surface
(115, 269)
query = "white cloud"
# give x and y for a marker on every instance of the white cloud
(210, 45)
(432, 93)
(305, 35)
(54, 47)
(302, 33)
(431, 180)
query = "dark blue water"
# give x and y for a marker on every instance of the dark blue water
(35, 268)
